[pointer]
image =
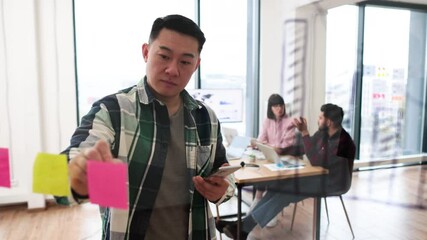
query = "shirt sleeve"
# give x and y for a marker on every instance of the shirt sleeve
(310, 150)
(94, 126)
(289, 135)
(263, 135)
(220, 159)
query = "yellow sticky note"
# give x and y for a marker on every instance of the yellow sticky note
(50, 174)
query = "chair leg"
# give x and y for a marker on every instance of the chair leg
(293, 215)
(346, 215)
(326, 207)
(218, 218)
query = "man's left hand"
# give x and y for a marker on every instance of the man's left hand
(212, 188)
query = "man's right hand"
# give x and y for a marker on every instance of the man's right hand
(77, 166)
(301, 124)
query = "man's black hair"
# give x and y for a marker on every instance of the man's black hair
(333, 112)
(179, 24)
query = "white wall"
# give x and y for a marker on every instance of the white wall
(273, 15)
(271, 20)
(37, 85)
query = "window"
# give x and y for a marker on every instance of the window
(392, 86)
(108, 47)
(340, 71)
(109, 36)
(225, 55)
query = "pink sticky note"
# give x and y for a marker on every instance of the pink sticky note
(4, 168)
(107, 184)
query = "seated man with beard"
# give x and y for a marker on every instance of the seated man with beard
(331, 147)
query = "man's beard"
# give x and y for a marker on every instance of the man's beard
(323, 128)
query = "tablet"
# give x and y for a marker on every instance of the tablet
(225, 171)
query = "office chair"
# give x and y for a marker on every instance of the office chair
(336, 194)
(327, 213)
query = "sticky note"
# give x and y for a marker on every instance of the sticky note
(107, 184)
(50, 174)
(4, 168)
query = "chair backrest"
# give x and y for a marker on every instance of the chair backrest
(347, 150)
(347, 180)
(228, 134)
(237, 147)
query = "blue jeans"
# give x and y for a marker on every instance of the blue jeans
(280, 194)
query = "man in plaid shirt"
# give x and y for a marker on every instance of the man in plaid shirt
(331, 147)
(170, 142)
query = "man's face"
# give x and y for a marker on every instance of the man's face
(171, 60)
(322, 122)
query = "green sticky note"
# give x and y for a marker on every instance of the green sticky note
(50, 174)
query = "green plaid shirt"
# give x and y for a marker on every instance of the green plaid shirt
(137, 127)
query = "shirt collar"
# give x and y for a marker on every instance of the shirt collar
(146, 96)
(336, 135)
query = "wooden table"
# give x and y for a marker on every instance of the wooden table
(251, 175)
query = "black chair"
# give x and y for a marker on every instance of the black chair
(337, 194)
(327, 213)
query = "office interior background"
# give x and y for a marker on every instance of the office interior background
(58, 57)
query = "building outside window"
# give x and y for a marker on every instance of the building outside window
(392, 85)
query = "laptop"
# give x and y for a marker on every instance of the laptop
(271, 154)
(237, 147)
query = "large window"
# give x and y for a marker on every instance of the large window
(224, 61)
(383, 85)
(109, 36)
(341, 60)
(224, 55)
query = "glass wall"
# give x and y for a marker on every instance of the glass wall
(392, 85)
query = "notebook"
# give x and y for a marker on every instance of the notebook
(271, 154)
(237, 147)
